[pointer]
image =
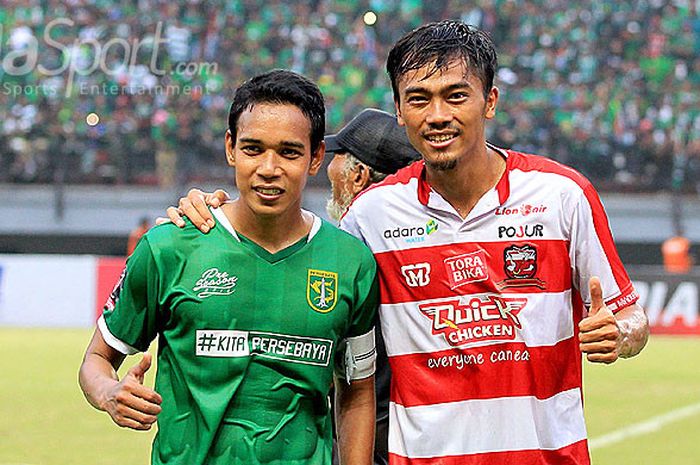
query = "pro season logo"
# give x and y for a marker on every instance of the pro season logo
(483, 318)
(215, 282)
(412, 234)
(321, 290)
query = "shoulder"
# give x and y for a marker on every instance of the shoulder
(168, 236)
(349, 245)
(538, 165)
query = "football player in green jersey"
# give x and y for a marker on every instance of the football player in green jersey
(367, 149)
(253, 319)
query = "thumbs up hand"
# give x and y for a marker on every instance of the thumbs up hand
(599, 333)
(130, 403)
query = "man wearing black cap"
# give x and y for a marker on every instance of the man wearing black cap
(368, 149)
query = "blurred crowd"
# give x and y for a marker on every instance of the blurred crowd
(611, 88)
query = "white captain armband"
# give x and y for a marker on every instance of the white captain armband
(360, 357)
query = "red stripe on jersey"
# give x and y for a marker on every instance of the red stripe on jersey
(488, 372)
(574, 454)
(503, 184)
(472, 268)
(600, 219)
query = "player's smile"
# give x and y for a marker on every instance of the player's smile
(269, 193)
(444, 112)
(440, 140)
(272, 156)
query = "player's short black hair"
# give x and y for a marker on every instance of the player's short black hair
(441, 44)
(281, 87)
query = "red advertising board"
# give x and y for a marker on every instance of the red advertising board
(108, 271)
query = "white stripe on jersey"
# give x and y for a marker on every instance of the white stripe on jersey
(491, 425)
(410, 328)
(113, 341)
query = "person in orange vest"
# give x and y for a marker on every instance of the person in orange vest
(136, 233)
(676, 254)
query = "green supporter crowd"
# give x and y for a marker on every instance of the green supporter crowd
(611, 88)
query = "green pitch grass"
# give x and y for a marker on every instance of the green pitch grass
(44, 419)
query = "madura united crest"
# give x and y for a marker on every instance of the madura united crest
(321, 290)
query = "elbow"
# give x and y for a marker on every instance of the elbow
(637, 335)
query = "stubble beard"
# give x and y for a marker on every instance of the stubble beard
(442, 165)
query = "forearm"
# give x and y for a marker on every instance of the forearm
(96, 377)
(355, 419)
(634, 330)
(97, 374)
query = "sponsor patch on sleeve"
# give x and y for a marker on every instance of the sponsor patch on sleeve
(114, 295)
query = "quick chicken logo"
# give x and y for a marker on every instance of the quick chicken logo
(483, 318)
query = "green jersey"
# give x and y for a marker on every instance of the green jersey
(248, 340)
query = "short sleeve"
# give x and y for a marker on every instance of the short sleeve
(129, 321)
(593, 253)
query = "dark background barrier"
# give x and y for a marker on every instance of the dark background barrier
(670, 300)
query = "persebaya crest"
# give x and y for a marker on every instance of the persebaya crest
(321, 290)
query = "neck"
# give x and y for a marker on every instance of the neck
(271, 232)
(466, 183)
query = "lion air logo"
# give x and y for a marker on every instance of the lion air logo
(524, 210)
(520, 267)
(483, 318)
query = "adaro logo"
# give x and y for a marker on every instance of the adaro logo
(321, 290)
(483, 318)
(412, 234)
(520, 267)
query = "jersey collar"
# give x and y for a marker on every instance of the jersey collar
(221, 218)
(425, 191)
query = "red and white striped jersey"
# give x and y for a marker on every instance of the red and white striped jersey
(480, 314)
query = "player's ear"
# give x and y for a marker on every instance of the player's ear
(359, 178)
(317, 159)
(229, 143)
(491, 102)
(399, 117)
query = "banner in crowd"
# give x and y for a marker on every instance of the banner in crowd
(70, 291)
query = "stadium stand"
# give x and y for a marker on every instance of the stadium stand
(612, 88)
